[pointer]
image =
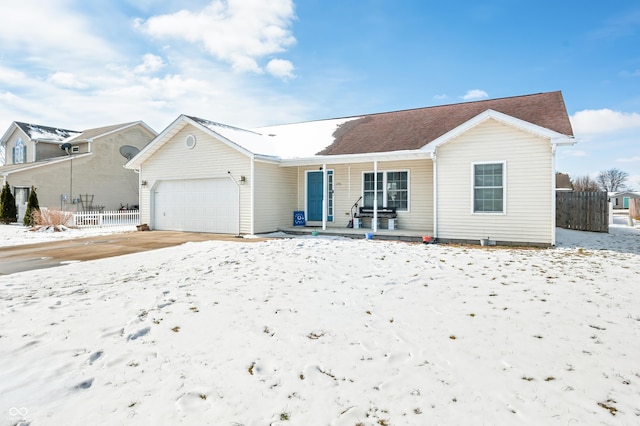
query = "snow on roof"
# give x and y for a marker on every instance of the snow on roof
(297, 140)
(250, 141)
(300, 140)
(46, 133)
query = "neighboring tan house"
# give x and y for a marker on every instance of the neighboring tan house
(460, 172)
(73, 170)
(620, 200)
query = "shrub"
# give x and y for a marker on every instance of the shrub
(32, 207)
(8, 209)
(52, 218)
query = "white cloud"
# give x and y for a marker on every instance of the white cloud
(635, 159)
(633, 182)
(150, 64)
(35, 29)
(11, 76)
(573, 153)
(475, 94)
(440, 97)
(280, 68)
(118, 94)
(239, 32)
(67, 80)
(603, 121)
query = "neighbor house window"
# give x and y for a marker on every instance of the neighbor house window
(21, 195)
(392, 189)
(19, 152)
(488, 188)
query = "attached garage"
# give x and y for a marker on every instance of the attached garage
(197, 205)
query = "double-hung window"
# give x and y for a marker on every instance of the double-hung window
(489, 187)
(392, 190)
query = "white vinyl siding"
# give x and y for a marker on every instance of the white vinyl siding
(274, 197)
(208, 159)
(528, 180)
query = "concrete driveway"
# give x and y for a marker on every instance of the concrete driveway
(46, 255)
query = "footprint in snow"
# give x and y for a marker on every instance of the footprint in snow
(95, 356)
(84, 385)
(140, 333)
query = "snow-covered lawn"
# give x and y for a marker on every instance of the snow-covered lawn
(328, 331)
(13, 235)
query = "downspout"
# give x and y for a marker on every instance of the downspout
(239, 199)
(553, 193)
(140, 187)
(325, 193)
(252, 174)
(374, 225)
(434, 158)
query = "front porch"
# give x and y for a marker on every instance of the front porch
(380, 234)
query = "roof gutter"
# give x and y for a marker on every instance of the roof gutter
(356, 158)
(563, 141)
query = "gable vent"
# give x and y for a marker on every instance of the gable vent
(190, 141)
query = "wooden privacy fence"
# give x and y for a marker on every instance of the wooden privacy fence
(634, 208)
(96, 219)
(582, 211)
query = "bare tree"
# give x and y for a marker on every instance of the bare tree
(613, 180)
(585, 184)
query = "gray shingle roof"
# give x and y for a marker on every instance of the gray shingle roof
(46, 133)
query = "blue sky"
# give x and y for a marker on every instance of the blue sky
(250, 63)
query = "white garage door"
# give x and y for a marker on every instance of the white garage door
(197, 205)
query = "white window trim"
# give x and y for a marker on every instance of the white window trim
(384, 186)
(504, 188)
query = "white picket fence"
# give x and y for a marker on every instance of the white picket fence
(104, 219)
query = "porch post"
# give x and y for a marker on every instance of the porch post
(434, 159)
(374, 224)
(325, 186)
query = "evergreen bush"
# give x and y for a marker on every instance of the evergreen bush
(32, 207)
(8, 209)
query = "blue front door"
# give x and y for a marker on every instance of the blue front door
(314, 196)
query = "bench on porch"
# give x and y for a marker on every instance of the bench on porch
(388, 213)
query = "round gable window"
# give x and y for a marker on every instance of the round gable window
(190, 141)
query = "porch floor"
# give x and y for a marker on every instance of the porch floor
(381, 234)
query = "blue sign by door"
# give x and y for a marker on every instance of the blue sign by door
(298, 218)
